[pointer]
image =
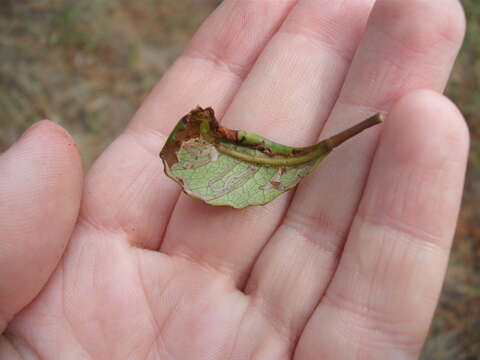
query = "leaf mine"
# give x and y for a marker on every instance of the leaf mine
(225, 167)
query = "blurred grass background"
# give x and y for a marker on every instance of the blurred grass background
(88, 64)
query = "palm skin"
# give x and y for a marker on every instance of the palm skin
(349, 266)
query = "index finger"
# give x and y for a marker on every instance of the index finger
(129, 175)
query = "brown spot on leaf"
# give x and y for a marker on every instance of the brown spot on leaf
(189, 128)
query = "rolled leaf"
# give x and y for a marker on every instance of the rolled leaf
(225, 167)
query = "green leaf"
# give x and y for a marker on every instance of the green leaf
(225, 167)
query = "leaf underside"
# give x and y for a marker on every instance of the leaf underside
(221, 180)
(223, 168)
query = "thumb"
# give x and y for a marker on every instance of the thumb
(40, 192)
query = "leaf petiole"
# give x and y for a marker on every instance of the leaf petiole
(299, 155)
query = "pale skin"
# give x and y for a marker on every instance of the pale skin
(349, 266)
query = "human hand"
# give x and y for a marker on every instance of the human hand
(349, 266)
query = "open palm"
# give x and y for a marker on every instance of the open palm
(349, 266)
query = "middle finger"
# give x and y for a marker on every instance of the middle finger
(287, 96)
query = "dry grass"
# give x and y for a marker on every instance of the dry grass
(88, 64)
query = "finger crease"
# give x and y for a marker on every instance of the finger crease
(319, 231)
(238, 71)
(219, 269)
(319, 41)
(406, 232)
(281, 327)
